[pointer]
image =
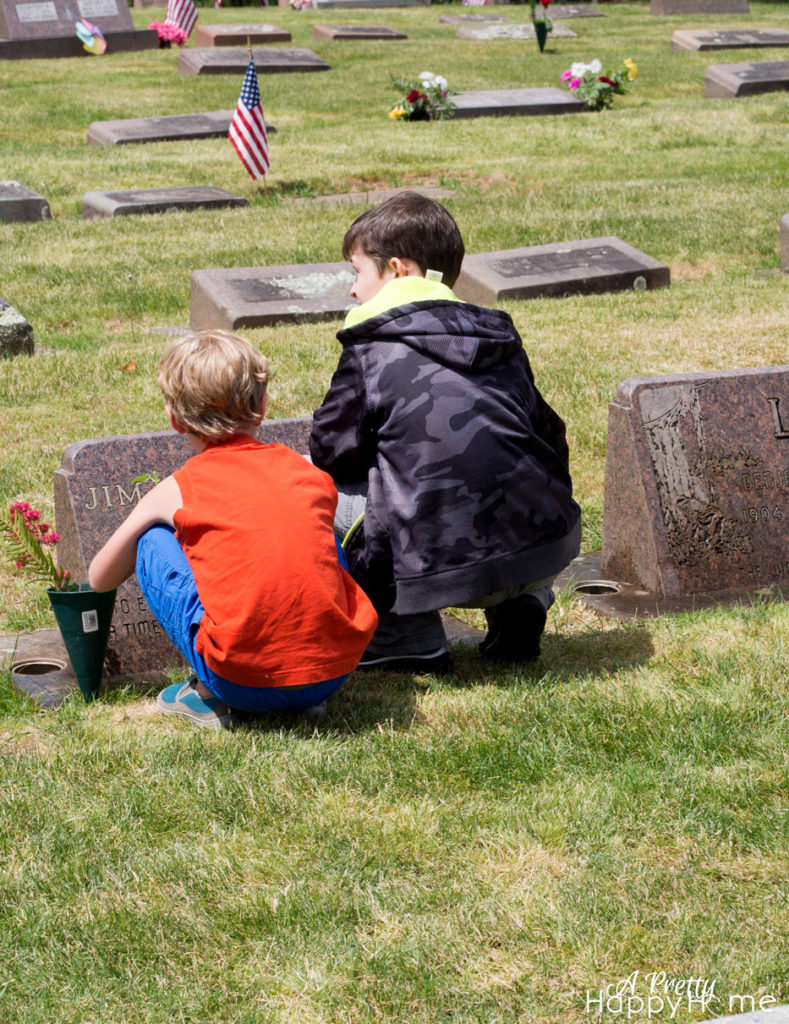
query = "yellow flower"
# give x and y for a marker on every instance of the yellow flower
(397, 112)
(632, 69)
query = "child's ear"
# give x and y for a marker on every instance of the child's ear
(404, 267)
(179, 428)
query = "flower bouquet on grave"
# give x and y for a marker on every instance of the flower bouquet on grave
(541, 21)
(597, 90)
(169, 34)
(426, 99)
(83, 616)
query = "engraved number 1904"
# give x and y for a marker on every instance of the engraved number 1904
(760, 515)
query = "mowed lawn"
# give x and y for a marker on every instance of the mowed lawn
(494, 846)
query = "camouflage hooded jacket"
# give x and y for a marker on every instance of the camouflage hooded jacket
(433, 404)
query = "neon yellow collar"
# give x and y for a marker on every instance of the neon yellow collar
(398, 292)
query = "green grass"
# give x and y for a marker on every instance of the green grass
(486, 848)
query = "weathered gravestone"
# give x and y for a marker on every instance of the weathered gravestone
(515, 102)
(723, 81)
(324, 5)
(470, 19)
(45, 28)
(237, 35)
(234, 62)
(525, 31)
(19, 203)
(728, 39)
(173, 128)
(378, 195)
(697, 482)
(16, 334)
(784, 241)
(559, 11)
(356, 32)
(254, 296)
(93, 495)
(560, 268)
(157, 200)
(662, 7)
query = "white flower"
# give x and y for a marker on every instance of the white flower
(426, 76)
(578, 69)
(595, 67)
(440, 82)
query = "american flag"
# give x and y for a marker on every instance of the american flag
(182, 13)
(248, 129)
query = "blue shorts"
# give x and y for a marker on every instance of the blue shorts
(168, 585)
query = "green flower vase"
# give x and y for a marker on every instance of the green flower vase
(541, 31)
(84, 619)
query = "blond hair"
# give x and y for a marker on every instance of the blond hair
(213, 383)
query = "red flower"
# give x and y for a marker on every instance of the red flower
(607, 81)
(414, 95)
(545, 2)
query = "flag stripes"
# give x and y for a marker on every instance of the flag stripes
(182, 13)
(248, 127)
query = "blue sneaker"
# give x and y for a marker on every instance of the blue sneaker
(183, 699)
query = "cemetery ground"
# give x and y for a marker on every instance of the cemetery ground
(495, 846)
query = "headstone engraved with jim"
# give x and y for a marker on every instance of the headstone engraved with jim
(356, 32)
(237, 35)
(93, 495)
(525, 31)
(19, 203)
(158, 200)
(516, 103)
(225, 61)
(16, 334)
(255, 296)
(560, 268)
(697, 483)
(728, 39)
(664, 7)
(45, 28)
(169, 128)
(724, 81)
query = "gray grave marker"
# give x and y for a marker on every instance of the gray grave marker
(697, 484)
(254, 296)
(503, 102)
(45, 28)
(662, 7)
(728, 39)
(470, 19)
(325, 5)
(172, 128)
(767, 1014)
(234, 62)
(559, 11)
(94, 494)
(237, 35)
(16, 334)
(724, 81)
(19, 203)
(157, 200)
(784, 241)
(525, 31)
(564, 268)
(356, 32)
(378, 195)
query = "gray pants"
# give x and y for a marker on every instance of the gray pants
(417, 634)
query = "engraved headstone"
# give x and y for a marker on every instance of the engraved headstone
(356, 32)
(157, 200)
(525, 31)
(324, 5)
(93, 495)
(723, 81)
(45, 28)
(697, 482)
(561, 268)
(169, 128)
(234, 62)
(661, 7)
(504, 102)
(19, 203)
(728, 39)
(16, 334)
(470, 19)
(559, 11)
(378, 195)
(784, 242)
(254, 296)
(237, 35)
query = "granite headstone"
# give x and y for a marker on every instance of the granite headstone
(724, 81)
(697, 482)
(356, 32)
(520, 102)
(559, 11)
(93, 495)
(45, 28)
(237, 35)
(673, 7)
(255, 296)
(525, 31)
(225, 61)
(168, 128)
(560, 268)
(19, 203)
(378, 195)
(157, 200)
(728, 39)
(325, 5)
(16, 334)
(470, 19)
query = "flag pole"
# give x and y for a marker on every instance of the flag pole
(262, 114)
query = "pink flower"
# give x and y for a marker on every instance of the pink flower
(575, 84)
(567, 75)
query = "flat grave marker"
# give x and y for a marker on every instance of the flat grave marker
(19, 203)
(525, 31)
(225, 61)
(768, 1014)
(254, 296)
(157, 200)
(471, 19)
(237, 35)
(560, 11)
(726, 81)
(45, 28)
(728, 39)
(328, 5)
(356, 32)
(93, 495)
(16, 334)
(697, 484)
(673, 7)
(784, 242)
(169, 128)
(561, 268)
(512, 102)
(378, 195)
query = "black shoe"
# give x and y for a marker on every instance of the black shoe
(437, 661)
(514, 630)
